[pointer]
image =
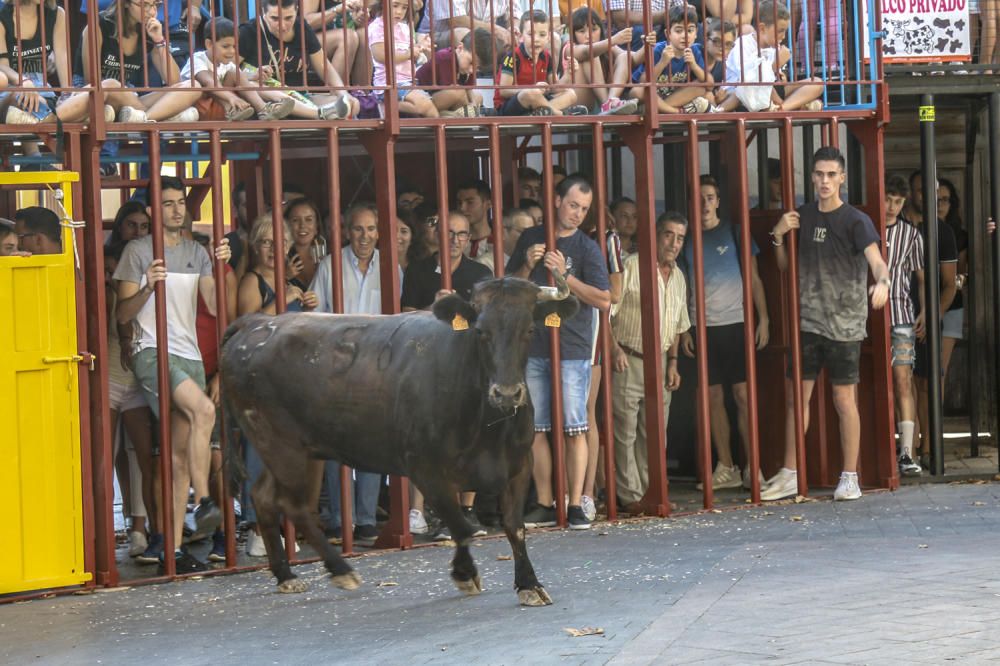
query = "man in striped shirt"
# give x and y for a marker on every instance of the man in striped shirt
(627, 388)
(905, 247)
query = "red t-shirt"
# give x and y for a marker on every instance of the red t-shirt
(445, 67)
(525, 71)
(208, 336)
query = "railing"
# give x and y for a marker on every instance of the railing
(591, 58)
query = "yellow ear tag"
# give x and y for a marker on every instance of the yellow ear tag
(553, 320)
(459, 323)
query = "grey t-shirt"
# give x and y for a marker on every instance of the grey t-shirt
(186, 263)
(833, 271)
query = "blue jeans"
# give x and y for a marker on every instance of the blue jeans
(366, 490)
(575, 391)
(255, 466)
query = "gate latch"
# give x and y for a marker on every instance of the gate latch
(82, 357)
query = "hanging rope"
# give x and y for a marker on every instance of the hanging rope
(66, 221)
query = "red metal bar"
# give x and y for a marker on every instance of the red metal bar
(444, 240)
(703, 418)
(749, 330)
(606, 434)
(162, 360)
(496, 192)
(558, 440)
(792, 239)
(218, 223)
(337, 290)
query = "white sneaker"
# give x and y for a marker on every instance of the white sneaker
(255, 545)
(815, 105)
(783, 484)
(589, 509)
(130, 114)
(847, 488)
(746, 479)
(418, 524)
(136, 544)
(697, 105)
(337, 109)
(188, 115)
(18, 116)
(724, 477)
(109, 113)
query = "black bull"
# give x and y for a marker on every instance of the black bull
(412, 395)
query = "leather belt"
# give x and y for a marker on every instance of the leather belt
(630, 351)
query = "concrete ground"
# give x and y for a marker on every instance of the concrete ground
(910, 576)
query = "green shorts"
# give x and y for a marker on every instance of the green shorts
(181, 369)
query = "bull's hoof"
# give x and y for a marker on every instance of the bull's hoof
(470, 587)
(348, 581)
(535, 596)
(292, 586)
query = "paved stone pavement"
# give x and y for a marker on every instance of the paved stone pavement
(911, 576)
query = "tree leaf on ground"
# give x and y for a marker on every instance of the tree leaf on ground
(585, 631)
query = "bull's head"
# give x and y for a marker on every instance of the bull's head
(504, 314)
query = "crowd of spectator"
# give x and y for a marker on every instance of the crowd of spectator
(835, 239)
(176, 61)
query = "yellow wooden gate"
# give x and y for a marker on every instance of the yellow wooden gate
(41, 513)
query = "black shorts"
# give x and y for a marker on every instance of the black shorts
(513, 107)
(727, 359)
(841, 359)
(921, 362)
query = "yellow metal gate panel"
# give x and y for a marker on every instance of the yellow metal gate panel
(41, 513)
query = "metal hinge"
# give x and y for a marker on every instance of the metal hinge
(82, 357)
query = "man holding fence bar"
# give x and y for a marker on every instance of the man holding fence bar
(186, 271)
(837, 245)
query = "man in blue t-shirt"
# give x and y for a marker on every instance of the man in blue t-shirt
(677, 60)
(724, 329)
(579, 260)
(838, 245)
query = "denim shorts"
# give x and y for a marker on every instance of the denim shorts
(575, 391)
(45, 92)
(401, 93)
(903, 341)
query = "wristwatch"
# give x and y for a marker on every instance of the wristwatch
(886, 281)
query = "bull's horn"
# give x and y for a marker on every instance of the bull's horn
(556, 293)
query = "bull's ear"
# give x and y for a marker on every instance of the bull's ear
(565, 309)
(454, 310)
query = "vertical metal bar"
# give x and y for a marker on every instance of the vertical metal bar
(639, 141)
(496, 191)
(558, 440)
(703, 419)
(444, 240)
(807, 153)
(788, 198)
(742, 213)
(277, 218)
(163, 370)
(218, 222)
(606, 434)
(971, 287)
(932, 283)
(994, 147)
(337, 290)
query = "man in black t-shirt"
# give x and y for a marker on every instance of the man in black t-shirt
(422, 281)
(838, 244)
(281, 38)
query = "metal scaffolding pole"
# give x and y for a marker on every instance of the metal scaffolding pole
(995, 212)
(928, 171)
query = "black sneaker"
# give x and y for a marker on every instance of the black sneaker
(442, 533)
(207, 519)
(907, 467)
(154, 550)
(109, 170)
(470, 515)
(185, 563)
(365, 534)
(218, 552)
(576, 518)
(540, 516)
(576, 110)
(334, 535)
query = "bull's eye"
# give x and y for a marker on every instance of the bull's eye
(531, 330)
